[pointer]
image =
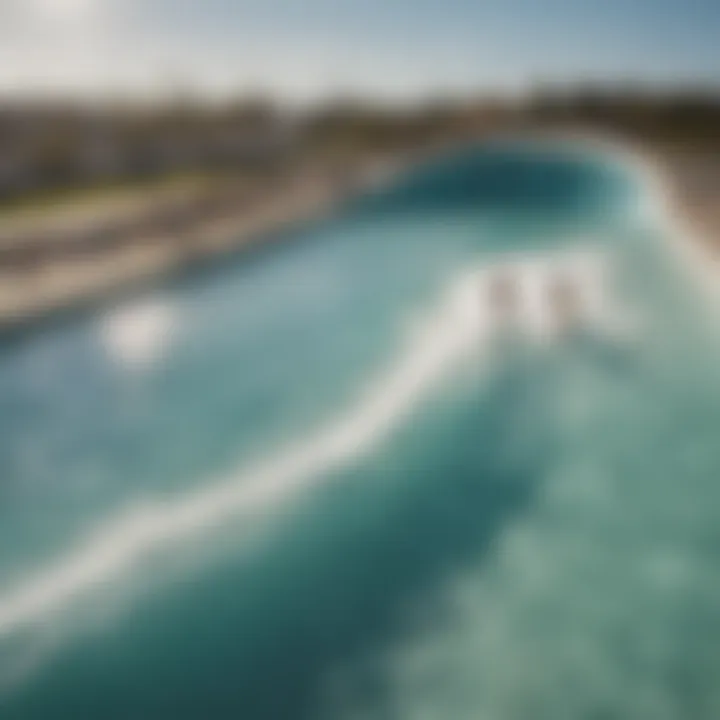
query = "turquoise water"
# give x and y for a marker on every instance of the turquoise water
(306, 485)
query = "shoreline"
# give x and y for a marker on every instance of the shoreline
(64, 283)
(692, 235)
(70, 279)
(695, 234)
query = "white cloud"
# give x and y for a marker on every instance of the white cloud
(64, 9)
(49, 45)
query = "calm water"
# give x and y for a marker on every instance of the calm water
(311, 484)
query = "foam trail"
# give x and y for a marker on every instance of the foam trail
(118, 547)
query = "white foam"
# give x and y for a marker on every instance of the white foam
(533, 277)
(136, 336)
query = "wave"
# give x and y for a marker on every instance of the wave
(462, 325)
(121, 544)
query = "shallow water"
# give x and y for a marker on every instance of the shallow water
(326, 482)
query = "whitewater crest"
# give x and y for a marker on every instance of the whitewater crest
(548, 296)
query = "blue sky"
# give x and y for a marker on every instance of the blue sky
(391, 48)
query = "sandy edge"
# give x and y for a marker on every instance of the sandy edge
(667, 210)
(693, 246)
(28, 298)
(663, 184)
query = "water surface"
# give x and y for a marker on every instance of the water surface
(310, 484)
